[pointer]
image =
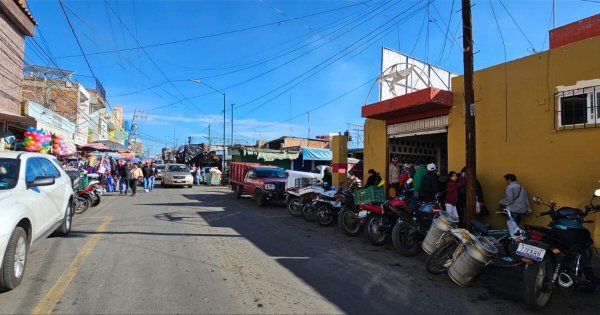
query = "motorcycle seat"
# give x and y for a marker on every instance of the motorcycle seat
(482, 227)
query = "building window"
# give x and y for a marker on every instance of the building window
(578, 108)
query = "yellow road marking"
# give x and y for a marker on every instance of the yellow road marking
(46, 305)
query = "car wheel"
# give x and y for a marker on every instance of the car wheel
(65, 226)
(190, 186)
(15, 260)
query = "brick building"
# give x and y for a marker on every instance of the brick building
(295, 143)
(16, 22)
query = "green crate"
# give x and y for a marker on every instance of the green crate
(369, 195)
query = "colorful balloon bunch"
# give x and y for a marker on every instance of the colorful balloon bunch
(62, 147)
(37, 140)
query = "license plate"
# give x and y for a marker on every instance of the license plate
(531, 252)
(179, 181)
(362, 214)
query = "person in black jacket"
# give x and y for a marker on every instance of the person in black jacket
(373, 180)
(429, 186)
(147, 171)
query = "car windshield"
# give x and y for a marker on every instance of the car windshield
(160, 167)
(178, 168)
(270, 173)
(9, 173)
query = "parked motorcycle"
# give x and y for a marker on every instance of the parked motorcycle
(381, 220)
(298, 198)
(348, 216)
(560, 254)
(411, 226)
(80, 202)
(327, 206)
(505, 241)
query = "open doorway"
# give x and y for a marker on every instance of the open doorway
(425, 148)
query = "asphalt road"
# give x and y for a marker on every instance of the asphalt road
(199, 250)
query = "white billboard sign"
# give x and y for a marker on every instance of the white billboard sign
(402, 74)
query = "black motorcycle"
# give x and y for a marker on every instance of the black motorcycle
(412, 225)
(560, 254)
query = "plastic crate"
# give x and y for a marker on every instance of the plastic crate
(305, 182)
(369, 195)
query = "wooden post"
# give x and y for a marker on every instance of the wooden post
(471, 159)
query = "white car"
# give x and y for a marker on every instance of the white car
(177, 175)
(36, 198)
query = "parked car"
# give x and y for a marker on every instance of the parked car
(36, 197)
(264, 183)
(160, 169)
(159, 162)
(177, 175)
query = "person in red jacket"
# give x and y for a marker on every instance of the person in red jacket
(452, 188)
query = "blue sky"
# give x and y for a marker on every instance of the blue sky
(324, 63)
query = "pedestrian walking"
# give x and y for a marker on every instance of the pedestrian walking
(135, 176)
(394, 176)
(147, 172)
(516, 199)
(452, 188)
(153, 176)
(124, 170)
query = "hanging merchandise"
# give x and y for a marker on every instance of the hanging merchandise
(37, 140)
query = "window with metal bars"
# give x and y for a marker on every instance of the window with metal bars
(577, 108)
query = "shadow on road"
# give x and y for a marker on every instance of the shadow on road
(360, 278)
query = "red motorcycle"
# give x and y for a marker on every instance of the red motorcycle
(381, 219)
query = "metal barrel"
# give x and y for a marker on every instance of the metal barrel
(440, 225)
(471, 261)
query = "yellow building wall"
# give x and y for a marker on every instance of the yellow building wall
(339, 150)
(375, 147)
(515, 130)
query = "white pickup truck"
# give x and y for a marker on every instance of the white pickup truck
(293, 175)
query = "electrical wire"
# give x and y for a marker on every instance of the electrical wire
(518, 26)
(140, 46)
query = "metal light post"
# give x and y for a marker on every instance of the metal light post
(224, 102)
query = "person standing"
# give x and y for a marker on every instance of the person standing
(516, 199)
(124, 170)
(429, 184)
(394, 175)
(135, 176)
(147, 172)
(452, 189)
(374, 179)
(405, 180)
(420, 171)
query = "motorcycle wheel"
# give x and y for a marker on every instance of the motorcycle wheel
(405, 239)
(441, 258)
(294, 206)
(95, 201)
(308, 212)
(324, 215)
(376, 231)
(81, 204)
(349, 222)
(537, 284)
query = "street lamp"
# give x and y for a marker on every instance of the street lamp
(224, 102)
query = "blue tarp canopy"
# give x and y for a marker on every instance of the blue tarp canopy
(314, 154)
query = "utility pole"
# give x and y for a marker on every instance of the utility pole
(232, 124)
(174, 141)
(209, 143)
(471, 156)
(137, 113)
(290, 115)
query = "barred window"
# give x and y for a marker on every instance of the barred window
(578, 108)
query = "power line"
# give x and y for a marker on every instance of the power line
(140, 46)
(328, 60)
(76, 38)
(518, 26)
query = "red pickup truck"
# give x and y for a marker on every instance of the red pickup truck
(264, 183)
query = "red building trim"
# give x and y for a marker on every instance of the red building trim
(576, 31)
(425, 103)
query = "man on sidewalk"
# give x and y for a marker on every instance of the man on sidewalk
(124, 170)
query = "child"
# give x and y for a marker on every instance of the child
(452, 189)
